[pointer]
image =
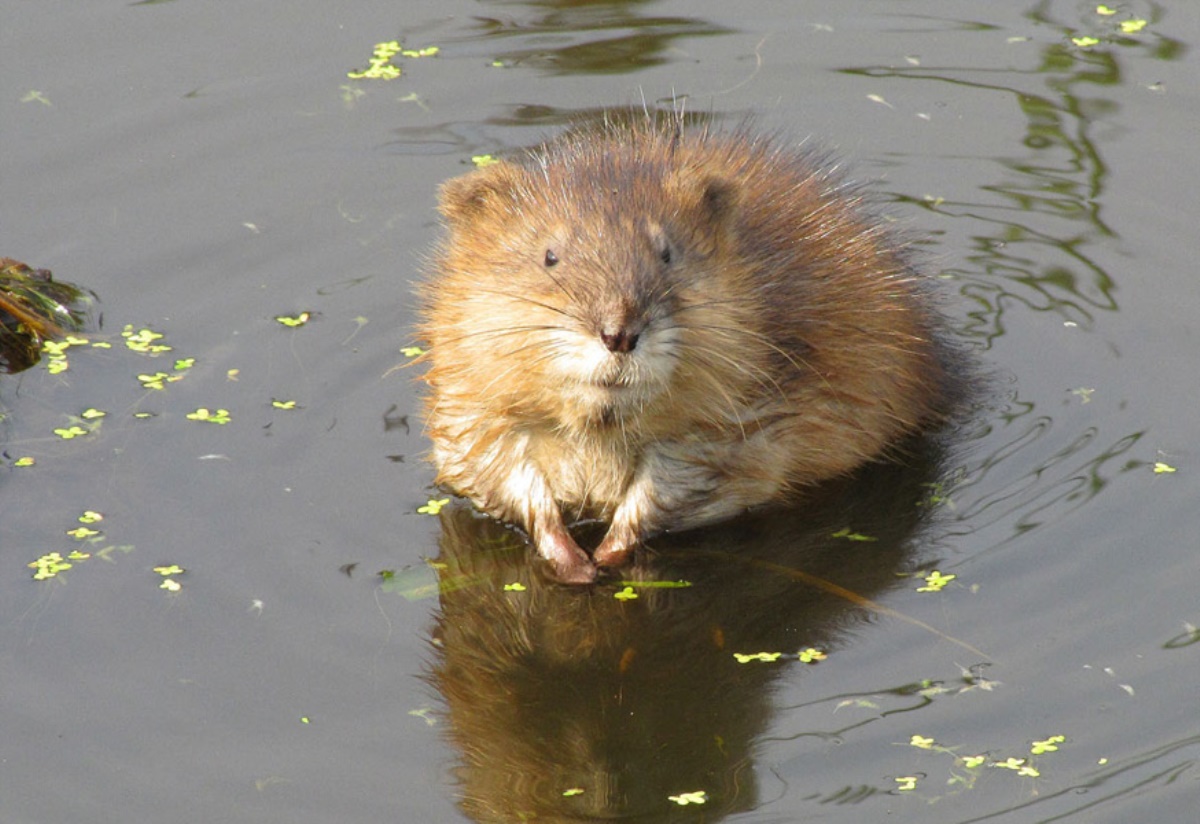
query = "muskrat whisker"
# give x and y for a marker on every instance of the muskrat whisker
(798, 361)
(532, 302)
(500, 333)
(760, 377)
(737, 338)
(708, 379)
(559, 283)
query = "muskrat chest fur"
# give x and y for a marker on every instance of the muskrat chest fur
(659, 328)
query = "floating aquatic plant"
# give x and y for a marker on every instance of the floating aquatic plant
(34, 309)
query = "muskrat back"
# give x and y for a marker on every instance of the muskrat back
(661, 327)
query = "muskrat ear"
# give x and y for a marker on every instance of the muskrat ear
(715, 200)
(465, 197)
(718, 198)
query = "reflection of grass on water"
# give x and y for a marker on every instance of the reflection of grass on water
(1038, 252)
(1041, 240)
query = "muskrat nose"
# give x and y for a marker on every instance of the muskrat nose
(621, 340)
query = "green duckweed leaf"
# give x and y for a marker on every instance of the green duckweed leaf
(292, 321)
(218, 416)
(432, 506)
(48, 566)
(936, 581)
(1049, 745)
(852, 536)
(745, 658)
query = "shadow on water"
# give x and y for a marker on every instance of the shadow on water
(566, 703)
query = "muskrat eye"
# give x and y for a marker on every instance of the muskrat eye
(551, 258)
(662, 246)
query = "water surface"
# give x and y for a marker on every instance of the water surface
(206, 169)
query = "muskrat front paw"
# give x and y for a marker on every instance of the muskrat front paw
(613, 552)
(571, 564)
(575, 572)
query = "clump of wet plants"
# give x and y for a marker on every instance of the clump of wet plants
(35, 308)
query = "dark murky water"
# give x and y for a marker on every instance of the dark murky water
(207, 168)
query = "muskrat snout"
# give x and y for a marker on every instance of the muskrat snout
(620, 340)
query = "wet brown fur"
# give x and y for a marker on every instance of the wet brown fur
(779, 336)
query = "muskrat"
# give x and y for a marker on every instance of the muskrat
(659, 327)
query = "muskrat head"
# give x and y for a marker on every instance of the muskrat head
(578, 273)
